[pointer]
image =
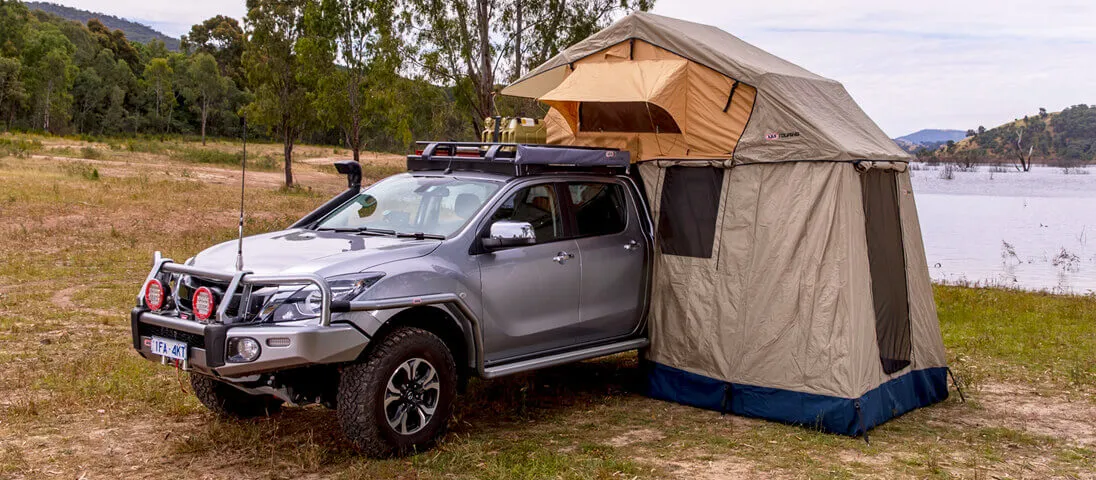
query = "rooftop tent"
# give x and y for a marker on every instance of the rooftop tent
(790, 277)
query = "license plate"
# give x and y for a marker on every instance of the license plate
(168, 348)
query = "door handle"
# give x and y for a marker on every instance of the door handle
(562, 257)
(632, 245)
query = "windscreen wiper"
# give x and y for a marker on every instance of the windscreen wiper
(421, 236)
(365, 230)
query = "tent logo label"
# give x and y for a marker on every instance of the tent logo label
(777, 136)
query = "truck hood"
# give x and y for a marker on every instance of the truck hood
(326, 253)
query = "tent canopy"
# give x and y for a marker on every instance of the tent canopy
(790, 281)
(728, 98)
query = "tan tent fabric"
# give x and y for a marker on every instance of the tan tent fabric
(781, 296)
(797, 115)
(788, 284)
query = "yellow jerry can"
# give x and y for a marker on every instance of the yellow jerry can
(513, 130)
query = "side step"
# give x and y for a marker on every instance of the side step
(566, 357)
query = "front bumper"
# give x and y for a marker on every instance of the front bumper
(307, 345)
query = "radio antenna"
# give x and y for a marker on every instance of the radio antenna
(243, 176)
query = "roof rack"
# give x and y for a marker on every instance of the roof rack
(516, 159)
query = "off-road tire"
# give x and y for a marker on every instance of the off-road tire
(228, 401)
(362, 388)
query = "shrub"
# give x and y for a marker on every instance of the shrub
(91, 153)
(948, 173)
(18, 147)
(81, 169)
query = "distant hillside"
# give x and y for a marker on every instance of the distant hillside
(928, 138)
(1067, 137)
(134, 31)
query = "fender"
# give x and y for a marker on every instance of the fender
(465, 318)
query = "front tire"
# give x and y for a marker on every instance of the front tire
(228, 401)
(399, 400)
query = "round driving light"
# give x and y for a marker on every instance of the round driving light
(203, 303)
(243, 349)
(154, 295)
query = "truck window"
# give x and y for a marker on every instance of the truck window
(537, 205)
(599, 208)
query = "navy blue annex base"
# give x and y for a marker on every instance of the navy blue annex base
(912, 390)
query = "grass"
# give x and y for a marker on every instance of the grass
(75, 400)
(1034, 337)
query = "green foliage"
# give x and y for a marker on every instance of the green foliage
(223, 38)
(349, 53)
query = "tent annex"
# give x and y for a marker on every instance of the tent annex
(790, 276)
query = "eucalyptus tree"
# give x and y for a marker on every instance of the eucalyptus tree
(272, 66)
(221, 37)
(204, 87)
(48, 73)
(158, 79)
(469, 43)
(12, 93)
(350, 54)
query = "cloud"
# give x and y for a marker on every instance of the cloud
(927, 64)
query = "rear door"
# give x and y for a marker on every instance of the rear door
(530, 294)
(613, 250)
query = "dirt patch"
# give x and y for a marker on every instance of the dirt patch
(1025, 408)
(641, 435)
(701, 467)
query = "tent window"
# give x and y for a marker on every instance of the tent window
(637, 117)
(688, 210)
(887, 260)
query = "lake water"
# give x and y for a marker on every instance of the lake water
(1033, 230)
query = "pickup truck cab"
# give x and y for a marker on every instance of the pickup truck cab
(482, 260)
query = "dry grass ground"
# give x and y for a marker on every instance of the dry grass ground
(79, 222)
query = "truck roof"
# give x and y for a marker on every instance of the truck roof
(517, 159)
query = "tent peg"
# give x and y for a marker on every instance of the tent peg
(955, 382)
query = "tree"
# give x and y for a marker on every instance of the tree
(350, 55)
(221, 37)
(47, 58)
(204, 87)
(13, 20)
(1024, 164)
(971, 133)
(11, 88)
(158, 83)
(1042, 112)
(270, 61)
(981, 130)
(116, 42)
(465, 43)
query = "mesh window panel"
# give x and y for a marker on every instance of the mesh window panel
(639, 117)
(887, 260)
(688, 210)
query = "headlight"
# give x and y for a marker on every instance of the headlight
(307, 302)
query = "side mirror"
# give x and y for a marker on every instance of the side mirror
(505, 234)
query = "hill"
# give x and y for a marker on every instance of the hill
(928, 138)
(1066, 137)
(133, 30)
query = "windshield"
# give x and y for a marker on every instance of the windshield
(409, 204)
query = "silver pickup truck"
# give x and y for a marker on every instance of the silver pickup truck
(482, 260)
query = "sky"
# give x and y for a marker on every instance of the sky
(911, 65)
